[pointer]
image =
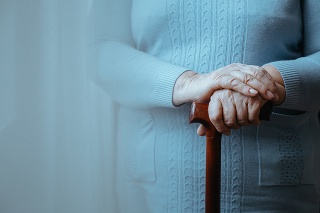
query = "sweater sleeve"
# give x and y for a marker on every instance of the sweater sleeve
(302, 75)
(131, 77)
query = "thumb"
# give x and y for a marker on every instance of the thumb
(201, 130)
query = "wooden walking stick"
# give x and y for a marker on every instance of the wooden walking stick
(199, 114)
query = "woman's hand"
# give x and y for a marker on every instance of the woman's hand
(248, 80)
(231, 110)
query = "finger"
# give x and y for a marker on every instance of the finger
(233, 83)
(201, 131)
(257, 79)
(263, 76)
(259, 73)
(253, 111)
(230, 112)
(215, 112)
(242, 113)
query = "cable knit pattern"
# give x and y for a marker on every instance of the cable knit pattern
(169, 37)
(173, 11)
(191, 28)
(231, 172)
(240, 28)
(183, 22)
(222, 34)
(190, 8)
(186, 164)
(205, 37)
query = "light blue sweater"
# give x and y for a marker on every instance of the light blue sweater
(143, 47)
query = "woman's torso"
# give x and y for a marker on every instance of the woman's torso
(160, 152)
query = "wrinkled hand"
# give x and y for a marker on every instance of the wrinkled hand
(248, 80)
(231, 110)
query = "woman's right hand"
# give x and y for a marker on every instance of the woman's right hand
(248, 80)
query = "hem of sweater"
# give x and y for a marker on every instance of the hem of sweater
(291, 80)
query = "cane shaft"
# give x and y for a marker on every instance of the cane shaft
(213, 173)
(199, 113)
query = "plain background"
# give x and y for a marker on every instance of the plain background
(56, 125)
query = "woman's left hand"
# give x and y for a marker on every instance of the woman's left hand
(231, 110)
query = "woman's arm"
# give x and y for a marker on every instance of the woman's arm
(131, 77)
(302, 76)
(137, 79)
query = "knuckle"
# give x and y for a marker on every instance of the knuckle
(259, 74)
(271, 86)
(230, 123)
(215, 97)
(242, 122)
(248, 78)
(250, 101)
(234, 82)
(220, 78)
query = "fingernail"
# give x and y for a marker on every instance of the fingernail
(253, 91)
(270, 94)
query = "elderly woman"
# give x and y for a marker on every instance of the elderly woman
(155, 57)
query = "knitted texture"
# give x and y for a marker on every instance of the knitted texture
(269, 168)
(186, 167)
(232, 172)
(192, 25)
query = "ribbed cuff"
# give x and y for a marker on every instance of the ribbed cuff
(165, 82)
(291, 80)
